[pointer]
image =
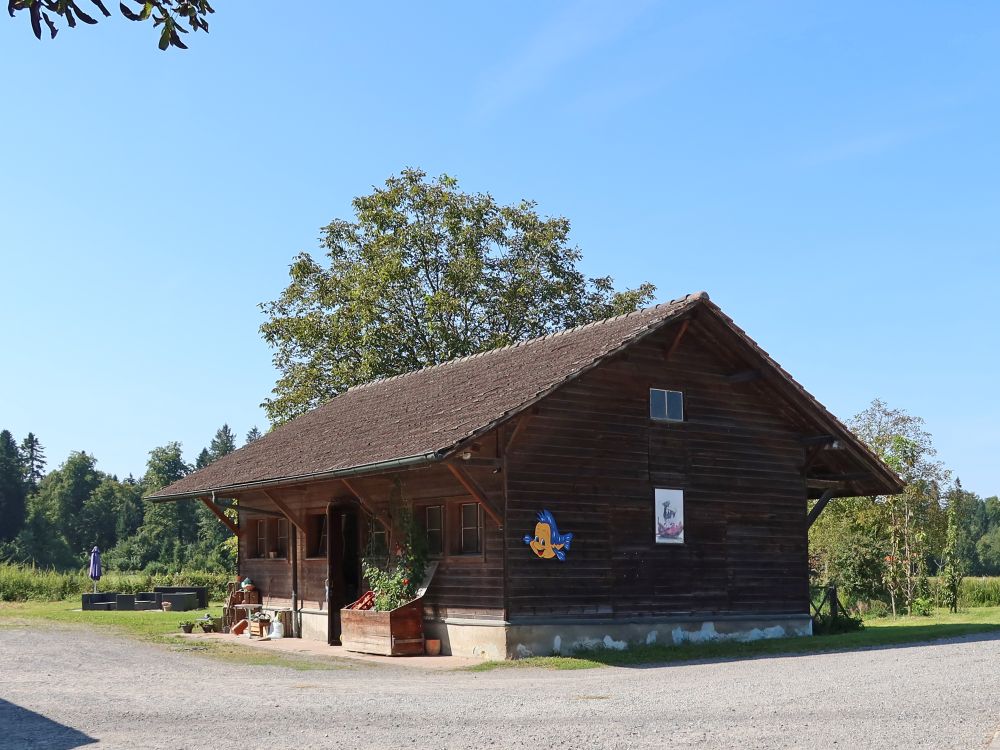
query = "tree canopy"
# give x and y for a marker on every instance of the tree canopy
(172, 17)
(425, 273)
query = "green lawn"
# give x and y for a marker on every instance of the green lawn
(877, 632)
(160, 628)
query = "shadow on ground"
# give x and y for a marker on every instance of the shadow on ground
(22, 728)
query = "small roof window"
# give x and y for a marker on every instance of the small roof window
(667, 406)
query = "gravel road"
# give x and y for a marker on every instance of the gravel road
(67, 688)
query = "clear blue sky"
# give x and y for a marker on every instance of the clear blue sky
(830, 173)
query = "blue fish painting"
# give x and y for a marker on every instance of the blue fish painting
(547, 541)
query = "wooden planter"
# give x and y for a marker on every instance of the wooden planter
(396, 633)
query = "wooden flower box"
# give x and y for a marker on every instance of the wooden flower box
(399, 632)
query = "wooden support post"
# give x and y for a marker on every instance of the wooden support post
(473, 489)
(368, 505)
(289, 513)
(226, 520)
(678, 338)
(818, 507)
(521, 422)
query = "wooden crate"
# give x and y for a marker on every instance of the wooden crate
(396, 633)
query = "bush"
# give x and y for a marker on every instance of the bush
(20, 583)
(824, 624)
(973, 592)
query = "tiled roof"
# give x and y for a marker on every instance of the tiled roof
(427, 412)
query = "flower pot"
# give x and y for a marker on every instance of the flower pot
(187, 628)
(399, 632)
(167, 606)
(432, 646)
(207, 628)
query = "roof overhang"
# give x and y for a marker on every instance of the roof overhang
(231, 489)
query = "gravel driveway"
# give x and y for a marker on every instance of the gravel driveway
(66, 688)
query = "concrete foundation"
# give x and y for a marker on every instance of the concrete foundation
(545, 638)
(495, 639)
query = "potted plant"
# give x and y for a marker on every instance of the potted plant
(186, 625)
(207, 624)
(388, 619)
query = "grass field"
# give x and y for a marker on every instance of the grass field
(161, 628)
(152, 626)
(881, 632)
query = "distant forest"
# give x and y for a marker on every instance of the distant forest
(53, 519)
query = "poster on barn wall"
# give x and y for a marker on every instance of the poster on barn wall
(668, 510)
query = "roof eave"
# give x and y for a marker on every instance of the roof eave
(388, 465)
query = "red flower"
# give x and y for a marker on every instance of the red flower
(406, 581)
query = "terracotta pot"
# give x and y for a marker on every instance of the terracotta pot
(432, 646)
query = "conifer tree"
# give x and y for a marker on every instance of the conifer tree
(12, 488)
(223, 443)
(33, 458)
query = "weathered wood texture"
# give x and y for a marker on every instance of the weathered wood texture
(463, 586)
(592, 456)
(396, 633)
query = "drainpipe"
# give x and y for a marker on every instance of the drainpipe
(294, 541)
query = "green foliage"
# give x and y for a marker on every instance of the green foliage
(954, 569)
(425, 273)
(12, 488)
(253, 434)
(33, 459)
(223, 443)
(395, 580)
(29, 583)
(844, 622)
(173, 17)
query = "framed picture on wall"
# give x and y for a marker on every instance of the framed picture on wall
(668, 516)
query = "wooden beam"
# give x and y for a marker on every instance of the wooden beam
(521, 422)
(226, 520)
(744, 376)
(289, 513)
(368, 505)
(473, 489)
(818, 508)
(487, 463)
(832, 484)
(678, 338)
(817, 439)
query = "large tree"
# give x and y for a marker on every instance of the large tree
(422, 274)
(12, 488)
(881, 547)
(172, 17)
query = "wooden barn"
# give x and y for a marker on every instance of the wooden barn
(642, 479)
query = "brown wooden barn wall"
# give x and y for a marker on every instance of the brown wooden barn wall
(462, 586)
(593, 457)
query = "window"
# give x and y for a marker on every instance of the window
(666, 405)
(471, 525)
(281, 538)
(317, 535)
(378, 540)
(261, 528)
(435, 530)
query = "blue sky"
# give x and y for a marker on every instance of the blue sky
(828, 172)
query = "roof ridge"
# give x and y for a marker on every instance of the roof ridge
(702, 295)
